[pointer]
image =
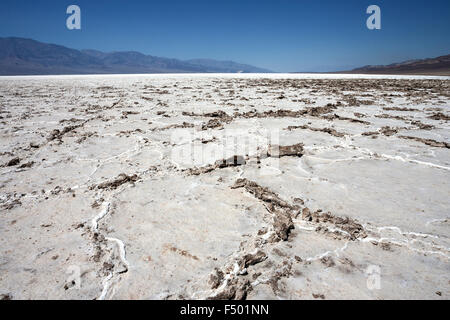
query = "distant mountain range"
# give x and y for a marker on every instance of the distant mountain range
(431, 66)
(19, 56)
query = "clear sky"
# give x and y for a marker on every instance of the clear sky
(280, 35)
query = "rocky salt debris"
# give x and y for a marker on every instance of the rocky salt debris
(429, 142)
(233, 161)
(8, 205)
(71, 120)
(282, 211)
(261, 193)
(13, 162)
(116, 182)
(390, 116)
(400, 109)
(103, 252)
(181, 252)
(125, 114)
(175, 126)
(200, 170)
(279, 272)
(236, 289)
(277, 151)
(222, 115)
(282, 224)
(57, 134)
(422, 125)
(349, 227)
(439, 116)
(229, 284)
(26, 165)
(251, 259)
(6, 296)
(216, 278)
(212, 124)
(284, 113)
(330, 131)
(234, 281)
(318, 111)
(219, 118)
(370, 133)
(388, 131)
(281, 113)
(338, 117)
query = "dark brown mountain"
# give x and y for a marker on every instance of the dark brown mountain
(433, 66)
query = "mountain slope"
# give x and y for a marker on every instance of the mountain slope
(432, 66)
(20, 56)
(226, 66)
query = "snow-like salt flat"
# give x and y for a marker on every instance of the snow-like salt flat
(225, 186)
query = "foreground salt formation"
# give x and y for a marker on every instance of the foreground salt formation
(224, 187)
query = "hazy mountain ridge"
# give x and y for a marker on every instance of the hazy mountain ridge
(19, 56)
(231, 66)
(433, 66)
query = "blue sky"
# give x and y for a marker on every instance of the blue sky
(280, 35)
